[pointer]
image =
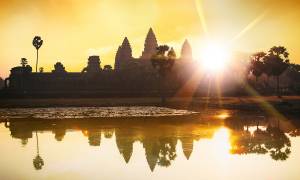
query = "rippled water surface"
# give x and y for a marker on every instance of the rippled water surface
(90, 112)
(91, 143)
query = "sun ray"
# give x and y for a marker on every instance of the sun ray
(218, 89)
(200, 12)
(208, 93)
(250, 26)
(189, 88)
(262, 102)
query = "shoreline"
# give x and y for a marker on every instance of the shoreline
(287, 103)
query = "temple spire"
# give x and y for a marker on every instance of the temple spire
(150, 45)
(124, 54)
(187, 146)
(126, 51)
(186, 51)
(125, 144)
(117, 59)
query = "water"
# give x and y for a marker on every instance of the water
(213, 144)
(90, 112)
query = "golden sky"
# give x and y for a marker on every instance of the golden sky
(74, 29)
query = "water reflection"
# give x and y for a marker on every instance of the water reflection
(38, 162)
(268, 138)
(160, 139)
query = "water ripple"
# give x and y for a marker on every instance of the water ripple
(91, 112)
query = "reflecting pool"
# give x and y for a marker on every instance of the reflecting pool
(214, 144)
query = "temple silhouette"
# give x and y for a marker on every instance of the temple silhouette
(130, 75)
(137, 77)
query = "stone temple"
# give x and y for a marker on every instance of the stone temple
(125, 61)
(130, 75)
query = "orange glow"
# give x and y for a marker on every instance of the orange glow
(223, 115)
(73, 30)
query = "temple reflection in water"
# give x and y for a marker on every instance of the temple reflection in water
(161, 141)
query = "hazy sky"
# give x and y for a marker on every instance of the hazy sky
(74, 29)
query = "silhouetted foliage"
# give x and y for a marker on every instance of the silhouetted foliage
(38, 162)
(37, 43)
(24, 62)
(278, 144)
(1, 83)
(163, 62)
(277, 62)
(274, 63)
(59, 68)
(107, 68)
(167, 152)
(41, 70)
(93, 65)
(271, 140)
(257, 65)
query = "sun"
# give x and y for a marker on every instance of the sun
(214, 57)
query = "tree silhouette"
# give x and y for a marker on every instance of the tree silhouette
(277, 60)
(278, 144)
(257, 65)
(167, 152)
(38, 162)
(41, 70)
(24, 62)
(107, 68)
(59, 68)
(1, 83)
(37, 43)
(272, 141)
(163, 61)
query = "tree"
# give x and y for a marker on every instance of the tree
(278, 143)
(24, 62)
(37, 43)
(59, 68)
(257, 65)
(167, 151)
(1, 83)
(38, 162)
(163, 62)
(277, 61)
(107, 68)
(41, 69)
(293, 73)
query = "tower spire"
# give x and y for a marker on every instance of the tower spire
(186, 51)
(150, 45)
(124, 54)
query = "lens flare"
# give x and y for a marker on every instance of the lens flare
(214, 57)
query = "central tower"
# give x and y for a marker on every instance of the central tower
(150, 45)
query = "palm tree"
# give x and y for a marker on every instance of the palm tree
(37, 43)
(268, 72)
(277, 60)
(24, 62)
(257, 65)
(163, 61)
(38, 162)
